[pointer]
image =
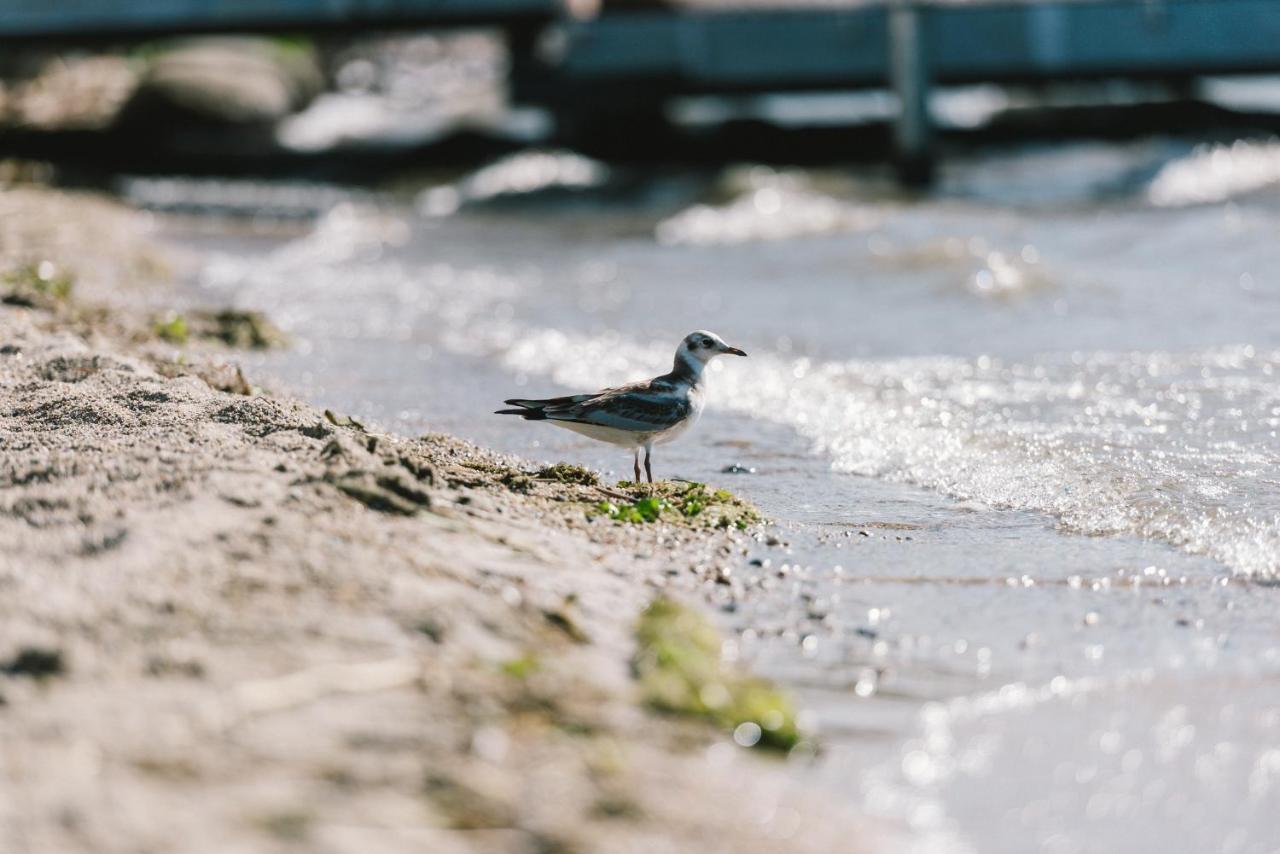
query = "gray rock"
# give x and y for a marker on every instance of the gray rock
(227, 80)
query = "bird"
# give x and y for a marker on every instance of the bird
(640, 414)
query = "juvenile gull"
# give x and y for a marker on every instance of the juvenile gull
(639, 415)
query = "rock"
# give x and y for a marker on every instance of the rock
(225, 80)
(735, 468)
(69, 92)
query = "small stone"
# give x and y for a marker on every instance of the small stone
(735, 468)
(35, 662)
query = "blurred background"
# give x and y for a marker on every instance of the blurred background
(359, 90)
(1007, 273)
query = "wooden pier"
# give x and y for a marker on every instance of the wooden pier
(912, 47)
(650, 55)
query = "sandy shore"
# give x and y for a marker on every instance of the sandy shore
(231, 623)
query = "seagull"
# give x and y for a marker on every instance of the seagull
(641, 414)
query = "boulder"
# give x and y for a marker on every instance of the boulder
(225, 80)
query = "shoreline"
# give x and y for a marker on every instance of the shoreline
(235, 623)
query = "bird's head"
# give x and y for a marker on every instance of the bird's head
(701, 347)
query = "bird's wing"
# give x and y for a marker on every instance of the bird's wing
(543, 403)
(639, 407)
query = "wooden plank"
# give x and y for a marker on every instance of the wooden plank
(101, 18)
(731, 49)
(1054, 40)
(847, 48)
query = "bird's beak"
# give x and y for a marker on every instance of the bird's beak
(734, 351)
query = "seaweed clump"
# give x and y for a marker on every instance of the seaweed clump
(568, 473)
(241, 330)
(690, 503)
(645, 510)
(680, 669)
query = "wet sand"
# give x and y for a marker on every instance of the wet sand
(233, 623)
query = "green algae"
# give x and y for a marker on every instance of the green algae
(644, 510)
(677, 501)
(172, 328)
(680, 669)
(521, 667)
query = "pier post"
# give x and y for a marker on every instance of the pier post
(909, 76)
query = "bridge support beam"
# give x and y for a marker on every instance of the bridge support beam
(909, 77)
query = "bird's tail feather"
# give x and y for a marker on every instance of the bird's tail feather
(527, 414)
(540, 403)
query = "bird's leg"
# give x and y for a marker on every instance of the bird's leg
(648, 471)
(637, 462)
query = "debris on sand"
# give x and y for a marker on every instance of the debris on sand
(568, 473)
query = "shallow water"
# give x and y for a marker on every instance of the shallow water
(1021, 435)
